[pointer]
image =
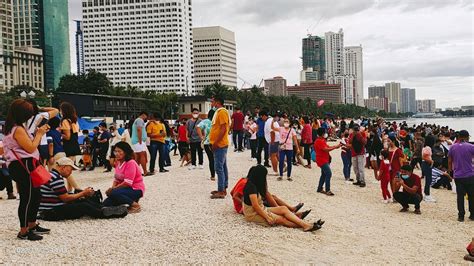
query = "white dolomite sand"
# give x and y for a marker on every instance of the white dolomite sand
(180, 224)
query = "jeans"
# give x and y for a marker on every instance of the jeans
(5, 181)
(210, 157)
(347, 163)
(220, 163)
(166, 153)
(121, 196)
(29, 196)
(358, 162)
(289, 157)
(405, 198)
(262, 146)
(237, 138)
(196, 148)
(253, 148)
(325, 177)
(426, 172)
(156, 148)
(465, 186)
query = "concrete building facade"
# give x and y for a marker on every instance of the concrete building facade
(334, 50)
(276, 86)
(79, 47)
(408, 100)
(330, 93)
(377, 91)
(426, 106)
(392, 92)
(354, 73)
(377, 104)
(215, 58)
(143, 43)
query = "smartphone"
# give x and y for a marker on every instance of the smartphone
(43, 122)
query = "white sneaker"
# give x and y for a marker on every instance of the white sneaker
(192, 167)
(251, 160)
(429, 199)
(385, 201)
(348, 182)
(390, 200)
(201, 166)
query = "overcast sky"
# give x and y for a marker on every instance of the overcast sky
(423, 44)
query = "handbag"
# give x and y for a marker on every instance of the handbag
(39, 176)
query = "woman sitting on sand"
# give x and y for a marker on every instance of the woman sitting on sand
(128, 186)
(237, 194)
(255, 192)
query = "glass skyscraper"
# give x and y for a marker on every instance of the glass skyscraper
(54, 40)
(314, 55)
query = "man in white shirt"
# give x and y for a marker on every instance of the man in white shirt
(272, 136)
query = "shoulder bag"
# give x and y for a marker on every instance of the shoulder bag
(39, 176)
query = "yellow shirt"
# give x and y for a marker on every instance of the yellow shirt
(221, 117)
(156, 128)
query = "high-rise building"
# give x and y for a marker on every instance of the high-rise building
(314, 56)
(408, 100)
(393, 107)
(335, 65)
(79, 47)
(377, 91)
(308, 75)
(354, 73)
(27, 17)
(426, 106)
(7, 41)
(392, 92)
(330, 93)
(276, 86)
(145, 43)
(215, 58)
(28, 67)
(377, 104)
(54, 33)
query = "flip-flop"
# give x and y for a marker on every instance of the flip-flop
(304, 214)
(298, 207)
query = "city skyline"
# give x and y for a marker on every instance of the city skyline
(392, 51)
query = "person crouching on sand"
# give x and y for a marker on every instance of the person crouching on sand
(237, 194)
(255, 192)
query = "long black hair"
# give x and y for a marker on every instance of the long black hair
(258, 177)
(127, 149)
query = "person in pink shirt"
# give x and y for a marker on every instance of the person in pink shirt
(128, 186)
(287, 139)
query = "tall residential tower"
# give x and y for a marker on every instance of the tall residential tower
(354, 72)
(314, 58)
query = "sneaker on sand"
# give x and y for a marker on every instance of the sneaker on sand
(429, 198)
(29, 236)
(40, 230)
(191, 167)
(201, 166)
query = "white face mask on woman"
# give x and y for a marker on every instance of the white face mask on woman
(286, 125)
(195, 115)
(325, 135)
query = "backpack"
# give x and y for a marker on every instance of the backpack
(357, 144)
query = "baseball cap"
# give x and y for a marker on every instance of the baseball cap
(66, 162)
(464, 134)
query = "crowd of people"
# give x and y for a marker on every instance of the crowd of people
(49, 137)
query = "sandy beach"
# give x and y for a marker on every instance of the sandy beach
(180, 224)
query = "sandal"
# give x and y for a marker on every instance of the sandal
(315, 227)
(321, 191)
(298, 207)
(304, 214)
(329, 193)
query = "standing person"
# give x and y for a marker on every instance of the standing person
(237, 126)
(103, 140)
(183, 145)
(156, 131)
(194, 140)
(417, 148)
(426, 165)
(411, 193)
(272, 136)
(460, 159)
(384, 176)
(323, 160)
(138, 141)
(395, 158)
(70, 131)
(55, 135)
(262, 143)
(40, 114)
(204, 129)
(374, 151)
(95, 148)
(22, 155)
(219, 140)
(357, 141)
(168, 142)
(288, 138)
(253, 129)
(346, 157)
(307, 140)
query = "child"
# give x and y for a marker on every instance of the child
(86, 151)
(384, 176)
(470, 250)
(186, 160)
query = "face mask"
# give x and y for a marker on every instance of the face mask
(195, 115)
(325, 135)
(214, 108)
(385, 145)
(381, 157)
(405, 177)
(286, 125)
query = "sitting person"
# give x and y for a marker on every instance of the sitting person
(470, 251)
(441, 177)
(57, 204)
(411, 194)
(128, 186)
(254, 211)
(237, 194)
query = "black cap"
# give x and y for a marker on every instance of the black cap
(463, 134)
(356, 127)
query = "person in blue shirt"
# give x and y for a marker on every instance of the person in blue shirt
(261, 142)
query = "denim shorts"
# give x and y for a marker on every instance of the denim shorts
(273, 147)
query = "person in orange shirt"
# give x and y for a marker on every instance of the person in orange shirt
(219, 140)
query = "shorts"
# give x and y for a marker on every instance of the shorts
(137, 148)
(252, 216)
(44, 152)
(274, 147)
(373, 158)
